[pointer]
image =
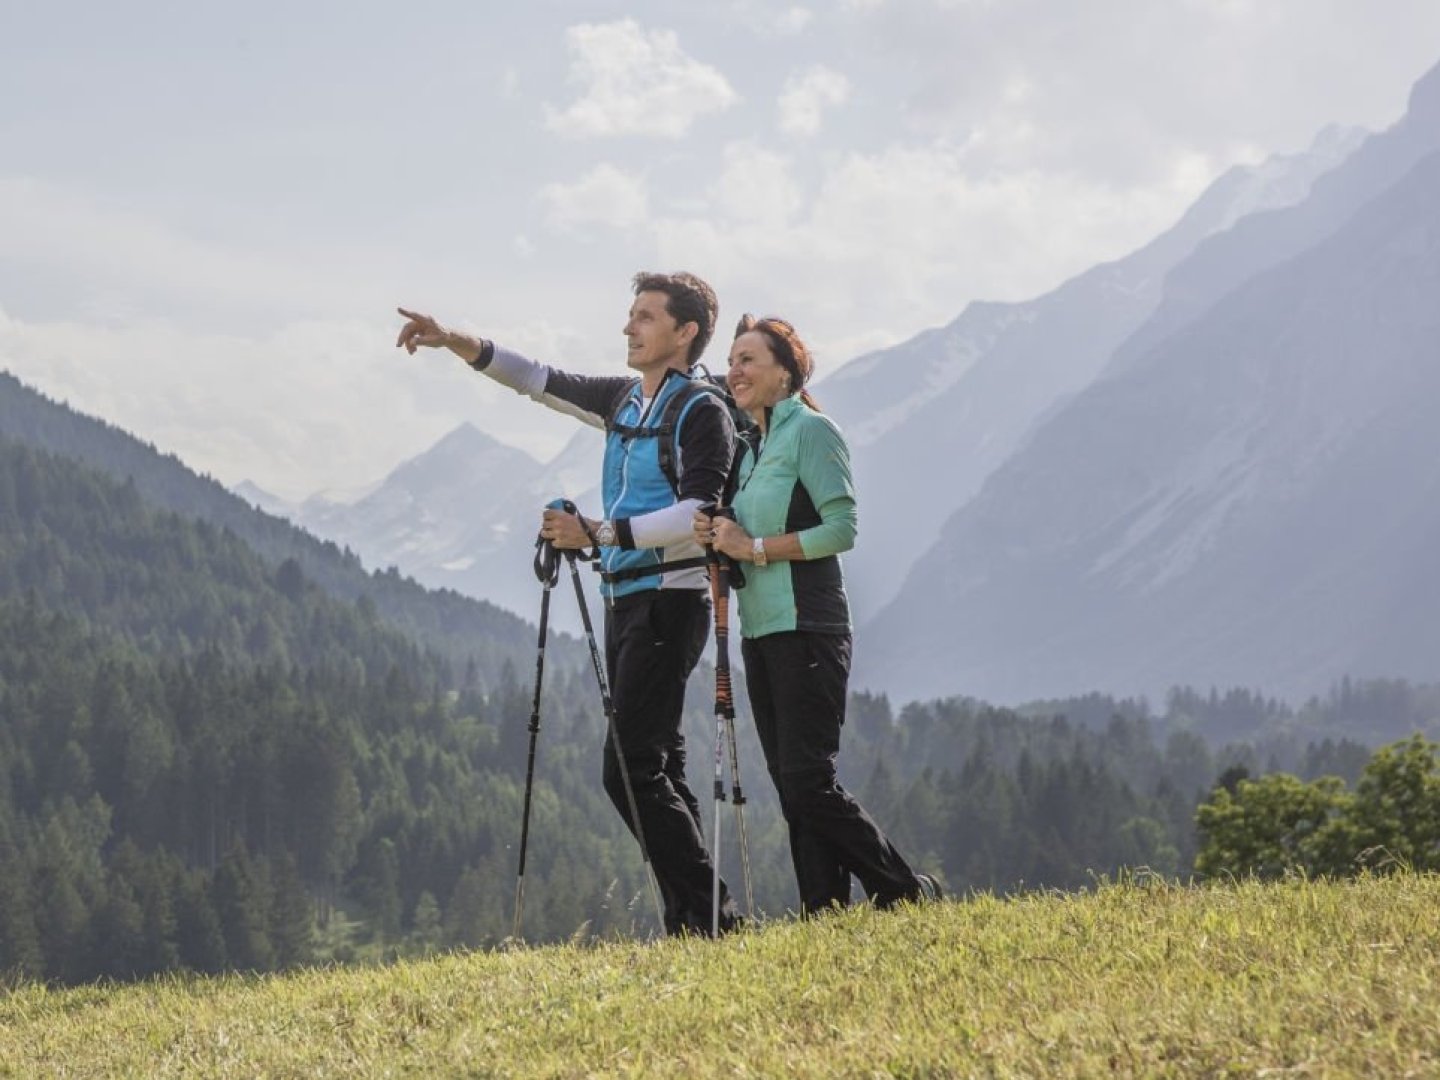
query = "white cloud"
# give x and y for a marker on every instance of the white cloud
(906, 237)
(807, 95)
(793, 20)
(223, 403)
(304, 407)
(635, 83)
(755, 186)
(111, 248)
(1114, 88)
(763, 18)
(603, 196)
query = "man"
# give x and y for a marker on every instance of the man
(657, 616)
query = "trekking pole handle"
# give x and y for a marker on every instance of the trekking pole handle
(730, 566)
(568, 507)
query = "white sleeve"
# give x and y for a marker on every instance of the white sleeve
(530, 377)
(662, 528)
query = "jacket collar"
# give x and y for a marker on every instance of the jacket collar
(781, 411)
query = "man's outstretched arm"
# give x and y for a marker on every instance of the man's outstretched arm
(588, 398)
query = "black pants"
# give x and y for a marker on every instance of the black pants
(797, 684)
(653, 640)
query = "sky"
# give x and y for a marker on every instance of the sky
(209, 212)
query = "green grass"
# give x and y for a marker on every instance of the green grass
(1298, 979)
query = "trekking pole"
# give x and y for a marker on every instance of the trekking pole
(713, 566)
(547, 569)
(725, 572)
(609, 707)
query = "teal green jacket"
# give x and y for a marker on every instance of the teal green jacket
(798, 482)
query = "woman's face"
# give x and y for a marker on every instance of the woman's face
(756, 378)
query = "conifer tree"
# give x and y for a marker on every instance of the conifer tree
(292, 914)
(20, 948)
(199, 934)
(243, 904)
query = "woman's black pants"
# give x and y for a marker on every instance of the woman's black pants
(797, 683)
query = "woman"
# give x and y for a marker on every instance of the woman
(794, 514)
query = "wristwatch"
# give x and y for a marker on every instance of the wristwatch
(605, 534)
(757, 551)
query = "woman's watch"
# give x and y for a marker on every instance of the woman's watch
(605, 534)
(757, 551)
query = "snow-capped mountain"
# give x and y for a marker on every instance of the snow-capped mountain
(440, 511)
(1263, 240)
(462, 515)
(1253, 500)
(258, 497)
(931, 418)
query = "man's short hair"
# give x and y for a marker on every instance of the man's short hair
(688, 299)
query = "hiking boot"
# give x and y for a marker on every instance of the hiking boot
(929, 889)
(687, 923)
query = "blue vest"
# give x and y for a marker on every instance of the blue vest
(634, 484)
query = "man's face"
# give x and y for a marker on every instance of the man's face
(655, 340)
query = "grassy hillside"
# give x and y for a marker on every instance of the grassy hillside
(1304, 978)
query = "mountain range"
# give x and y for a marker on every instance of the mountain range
(1247, 493)
(461, 516)
(947, 408)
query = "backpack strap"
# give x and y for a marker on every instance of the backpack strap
(621, 400)
(665, 429)
(748, 436)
